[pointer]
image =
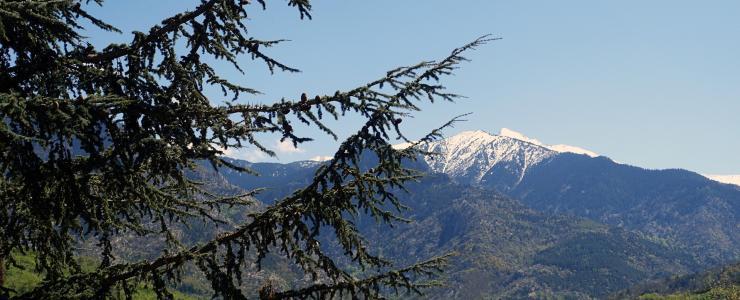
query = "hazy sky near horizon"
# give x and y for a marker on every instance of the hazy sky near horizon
(650, 83)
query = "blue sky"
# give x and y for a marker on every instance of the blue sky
(649, 83)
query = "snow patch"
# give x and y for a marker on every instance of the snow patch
(558, 148)
(572, 149)
(519, 136)
(320, 158)
(729, 179)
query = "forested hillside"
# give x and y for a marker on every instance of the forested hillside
(677, 205)
(503, 249)
(716, 283)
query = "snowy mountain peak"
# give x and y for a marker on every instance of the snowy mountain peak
(473, 154)
(519, 136)
(469, 139)
(557, 148)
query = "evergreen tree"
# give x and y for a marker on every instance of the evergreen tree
(97, 143)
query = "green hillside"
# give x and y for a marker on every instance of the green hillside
(21, 278)
(717, 283)
(505, 250)
(731, 292)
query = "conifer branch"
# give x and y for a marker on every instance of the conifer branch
(170, 24)
(314, 201)
(100, 144)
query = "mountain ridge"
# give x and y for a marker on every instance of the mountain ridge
(561, 148)
(516, 209)
(679, 205)
(505, 250)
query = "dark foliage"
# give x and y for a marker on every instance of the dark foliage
(97, 143)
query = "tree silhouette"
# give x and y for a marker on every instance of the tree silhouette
(97, 143)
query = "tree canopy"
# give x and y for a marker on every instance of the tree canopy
(97, 143)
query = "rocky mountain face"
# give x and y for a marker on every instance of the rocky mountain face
(471, 155)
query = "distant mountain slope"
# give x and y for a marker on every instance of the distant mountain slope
(680, 206)
(658, 222)
(505, 250)
(277, 179)
(717, 283)
(677, 205)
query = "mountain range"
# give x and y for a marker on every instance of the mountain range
(534, 220)
(673, 204)
(523, 219)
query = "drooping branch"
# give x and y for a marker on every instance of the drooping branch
(98, 144)
(170, 24)
(309, 202)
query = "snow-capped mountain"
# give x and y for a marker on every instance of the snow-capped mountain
(476, 155)
(473, 155)
(674, 204)
(678, 206)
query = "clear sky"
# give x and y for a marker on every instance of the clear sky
(649, 83)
